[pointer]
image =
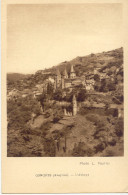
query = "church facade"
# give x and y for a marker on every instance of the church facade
(68, 81)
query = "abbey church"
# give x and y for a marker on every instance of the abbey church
(68, 81)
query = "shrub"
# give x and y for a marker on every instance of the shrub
(56, 119)
(58, 95)
(93, 118)
(82, 150)
(96, 77)
(119, 128)
(49, 147)
(45, 126)
(81, 95)
(19, 113)
(100, 147)
(109, 153)
(111, 141)
(58, 114)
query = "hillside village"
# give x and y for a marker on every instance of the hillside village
(72, 109)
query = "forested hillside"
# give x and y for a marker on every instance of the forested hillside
(37, 125)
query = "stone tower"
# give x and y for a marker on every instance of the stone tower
(72, 72)
(74, 103)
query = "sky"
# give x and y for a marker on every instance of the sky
(40, 36)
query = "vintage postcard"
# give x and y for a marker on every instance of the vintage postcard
(64, 96)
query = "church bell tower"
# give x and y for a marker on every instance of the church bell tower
(74, 102)
(72, 72)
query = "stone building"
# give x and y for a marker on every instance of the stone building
(74, 102)
(72, 73)
(64, 81)
(74, 108)
(58, 79)
(13, 94)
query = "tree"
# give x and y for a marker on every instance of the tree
(57, 95)
(57, 115)
(97, 86)
(111, 86)
(50, 90)
(96, 77)
(119, 128)
(20, 112)
(42, 98)
(103, 87)
(69, 97)
(81, 95)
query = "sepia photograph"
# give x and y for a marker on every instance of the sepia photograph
(65, 67)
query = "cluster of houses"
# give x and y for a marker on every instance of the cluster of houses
(60, 80)
(35, 91)
(63, 81)
(70, 80)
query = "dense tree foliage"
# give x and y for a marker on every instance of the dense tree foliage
(57, 95)
(20, 112)
(81, 95)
